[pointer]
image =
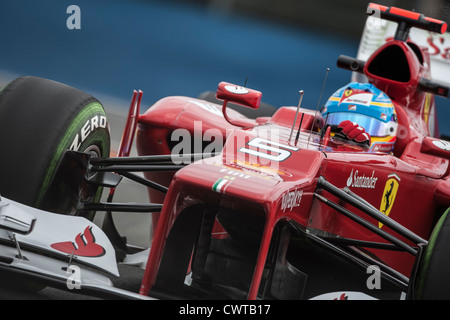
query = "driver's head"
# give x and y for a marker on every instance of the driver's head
(370, 108)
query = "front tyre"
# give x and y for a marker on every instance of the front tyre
(39, 120)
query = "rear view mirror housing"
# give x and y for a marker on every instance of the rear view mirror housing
(436, 147)
(240, 95)
(243, 96)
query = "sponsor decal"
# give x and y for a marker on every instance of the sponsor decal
(361, 181)
(258, 169)
(389, 194)
(234, 174)
(382, 147)
(83, 246)
(89, 126)
(291, 200)
(356, 97)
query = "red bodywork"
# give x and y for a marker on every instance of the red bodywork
(279, 184)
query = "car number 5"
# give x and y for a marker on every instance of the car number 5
(267, 149)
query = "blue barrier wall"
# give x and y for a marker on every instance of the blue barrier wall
(167, 48)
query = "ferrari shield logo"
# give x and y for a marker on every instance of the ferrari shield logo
(389, 194)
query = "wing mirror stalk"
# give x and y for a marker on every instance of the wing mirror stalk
(243, 96)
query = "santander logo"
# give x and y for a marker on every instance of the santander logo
(361, 181)
(84, 245)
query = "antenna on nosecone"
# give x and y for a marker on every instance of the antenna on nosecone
(296, 114)
(318, 104)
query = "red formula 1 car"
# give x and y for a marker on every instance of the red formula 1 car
(277, 207)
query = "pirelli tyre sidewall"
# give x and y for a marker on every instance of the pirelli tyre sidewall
(86, 133)
(39, 120)
(433, 276)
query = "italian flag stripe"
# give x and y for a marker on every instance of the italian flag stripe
(218, 186)
(393, 175)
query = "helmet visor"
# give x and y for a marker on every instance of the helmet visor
(374, 127)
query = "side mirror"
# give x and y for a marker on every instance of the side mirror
(229, 92)
(239, 95)
(436, 147)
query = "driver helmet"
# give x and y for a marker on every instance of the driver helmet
(367, 106)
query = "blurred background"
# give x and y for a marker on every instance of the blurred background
(186, 47)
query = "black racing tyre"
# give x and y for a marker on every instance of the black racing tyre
(39, 120)
(433, 275)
